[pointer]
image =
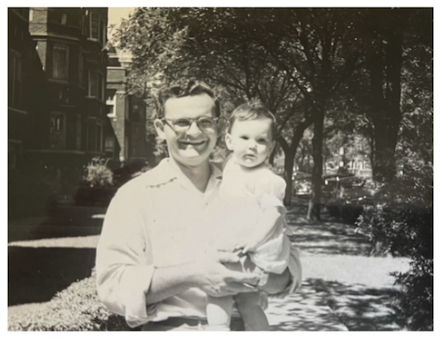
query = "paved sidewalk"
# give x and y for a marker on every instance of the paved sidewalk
(333, 297)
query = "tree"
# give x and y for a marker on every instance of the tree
(314, 47)
(215, 45)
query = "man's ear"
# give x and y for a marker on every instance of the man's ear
(158, 125)
(228, 141)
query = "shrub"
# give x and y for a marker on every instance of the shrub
(74, 309)
(346, 212)
(98, 174)
(401, 223)
(97, 188)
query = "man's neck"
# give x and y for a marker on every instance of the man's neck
(198, 175)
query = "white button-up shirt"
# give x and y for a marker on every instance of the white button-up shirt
(155, 220)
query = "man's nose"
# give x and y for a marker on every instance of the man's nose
(193, 129)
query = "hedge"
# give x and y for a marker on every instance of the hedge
(74, 309)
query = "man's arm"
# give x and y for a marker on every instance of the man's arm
(128, 281)
(208, 274)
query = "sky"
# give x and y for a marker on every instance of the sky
(115, 14)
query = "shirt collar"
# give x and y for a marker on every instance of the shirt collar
(168, 170)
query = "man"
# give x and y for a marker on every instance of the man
(149, 267)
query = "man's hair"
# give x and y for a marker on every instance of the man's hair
(192, 88)
(252, 110)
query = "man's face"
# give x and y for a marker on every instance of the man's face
(251, 141)
(193, 147)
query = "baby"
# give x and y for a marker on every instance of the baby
(250, 216)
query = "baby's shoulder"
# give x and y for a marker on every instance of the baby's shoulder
(266, 180)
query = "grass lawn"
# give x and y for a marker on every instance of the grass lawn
(337, 272)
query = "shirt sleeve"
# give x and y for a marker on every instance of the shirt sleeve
(270, 191)
(124, 264)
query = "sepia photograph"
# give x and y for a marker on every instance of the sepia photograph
(220, 168)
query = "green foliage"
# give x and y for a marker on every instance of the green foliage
(76, 308)
(98, 174)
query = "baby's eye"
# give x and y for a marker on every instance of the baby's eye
(262, 140)
(244, 137)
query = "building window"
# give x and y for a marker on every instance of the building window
(93, 83)
(109, 143)
(102, 31)
(95, 137)
(60, 62)
(64, 19)
(63, 95)
(78, 132)
(81, 69)
(96, 84)
(31, 15)
(97, 28)
(94, 26)
(99, 137)
(15, 79)
(101, 87)
(58, 130)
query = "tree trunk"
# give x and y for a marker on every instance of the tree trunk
(313, 213)
(289, 156)
(385, 64)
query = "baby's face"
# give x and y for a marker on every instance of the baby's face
(251, 141)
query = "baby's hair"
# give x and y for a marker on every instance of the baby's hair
(191, 88)
(252, 110)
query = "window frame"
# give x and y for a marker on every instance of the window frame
(63, 132)
(66, 48)
(16, 76)
(78, 132)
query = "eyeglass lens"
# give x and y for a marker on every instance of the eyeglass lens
(204, 123)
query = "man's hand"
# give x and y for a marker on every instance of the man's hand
(245, 246)
(218, 281)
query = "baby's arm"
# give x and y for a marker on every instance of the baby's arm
(266, 226)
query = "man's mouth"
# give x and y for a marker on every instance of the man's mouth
(192, 143)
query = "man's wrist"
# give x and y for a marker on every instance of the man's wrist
(192, 272)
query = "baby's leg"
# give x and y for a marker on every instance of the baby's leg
(248, 304)
(219, 310)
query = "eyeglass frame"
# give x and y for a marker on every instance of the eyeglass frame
(191, 121)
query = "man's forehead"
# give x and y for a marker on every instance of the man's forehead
(200, 102)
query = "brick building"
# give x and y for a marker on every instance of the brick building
(127, 113)
(57, 75)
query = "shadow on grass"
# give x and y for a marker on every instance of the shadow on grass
(325, 237)
(363, 308)
(37, 274)
(329, 238)
(305, 310)
(331, 306)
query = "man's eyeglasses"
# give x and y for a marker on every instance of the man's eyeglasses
(205, 124)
